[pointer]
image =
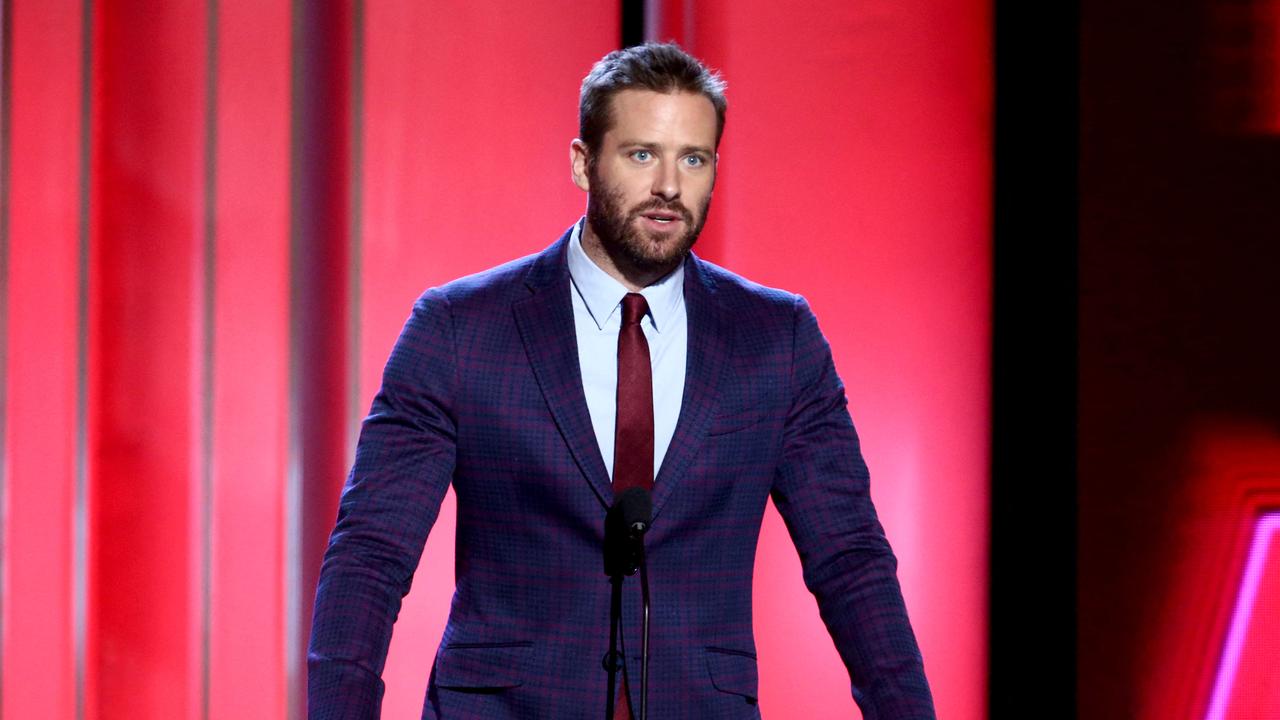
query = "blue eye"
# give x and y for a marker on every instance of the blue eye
(694, 161)
(641, 155)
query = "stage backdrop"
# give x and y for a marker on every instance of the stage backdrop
(217, 214)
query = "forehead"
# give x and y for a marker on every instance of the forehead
(647, 116)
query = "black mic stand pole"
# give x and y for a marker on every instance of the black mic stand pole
(644, 639)
(611, 659)
(624, 528)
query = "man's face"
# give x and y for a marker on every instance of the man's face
(649, 184)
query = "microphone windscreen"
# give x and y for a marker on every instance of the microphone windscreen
(624, 524)
(635, 507)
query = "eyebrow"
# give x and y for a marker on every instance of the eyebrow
(657, 146)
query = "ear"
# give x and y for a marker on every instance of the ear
(578, 156)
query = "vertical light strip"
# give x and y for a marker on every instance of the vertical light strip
(80, 518)
(354, 411)
(207, 376)
(690, 27)
(653, 21)
(1255, 564)
(294, 679)
(6, 117)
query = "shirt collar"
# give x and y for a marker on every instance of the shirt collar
(602, 294)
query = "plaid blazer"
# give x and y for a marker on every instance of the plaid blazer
(483, 391)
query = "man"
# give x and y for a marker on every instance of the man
(613, 359)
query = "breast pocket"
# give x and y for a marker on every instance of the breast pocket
(734, 420)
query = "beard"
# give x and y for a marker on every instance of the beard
(630, 246)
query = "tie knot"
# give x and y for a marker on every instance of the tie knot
(634, 307)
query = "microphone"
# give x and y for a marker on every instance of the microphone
(635, 508)
(624, 527)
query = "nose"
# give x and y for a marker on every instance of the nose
(666, 183)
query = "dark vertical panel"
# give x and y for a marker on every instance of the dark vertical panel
(320, 217)
(144, 359)
(1033, 556)
(633, 22)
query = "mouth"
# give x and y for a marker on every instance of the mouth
(662, 218)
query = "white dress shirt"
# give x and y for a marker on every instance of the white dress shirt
(597, 318)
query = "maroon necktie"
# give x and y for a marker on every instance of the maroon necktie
(633, 434)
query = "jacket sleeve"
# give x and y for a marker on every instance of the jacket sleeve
(404, 463)
(822, 491)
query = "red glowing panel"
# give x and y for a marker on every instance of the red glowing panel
(855, 170)
(1211, 645)
(1246, 684)
(1243, 60)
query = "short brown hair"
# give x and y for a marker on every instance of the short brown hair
(660, 67)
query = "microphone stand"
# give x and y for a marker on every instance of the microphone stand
(625, 525)
(644, 638)
(611, 661)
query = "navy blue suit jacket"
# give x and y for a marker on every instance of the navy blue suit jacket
(483, 391)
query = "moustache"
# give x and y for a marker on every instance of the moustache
(658, 204)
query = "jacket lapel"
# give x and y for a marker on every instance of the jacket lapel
(545, 319)
(710, 343)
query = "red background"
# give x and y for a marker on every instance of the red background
(1179, 403)
(218, 215)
